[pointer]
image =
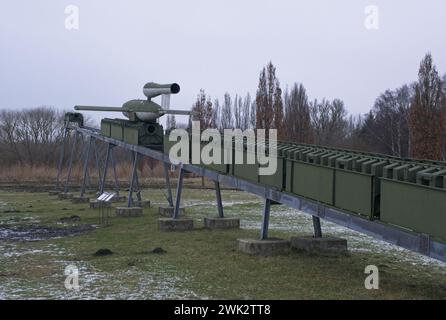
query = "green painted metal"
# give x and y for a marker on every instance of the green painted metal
(354, 192)
(105, 128)
(414, 206)
(313, 181)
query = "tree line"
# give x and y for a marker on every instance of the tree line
(409, 121)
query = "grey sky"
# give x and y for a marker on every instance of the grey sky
(217, 45)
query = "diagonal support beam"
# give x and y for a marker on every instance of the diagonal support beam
(176, 211)
(70, 162)
(61, 157)
(86, 161)
(133, 179)
(265, 222)
(169, 189)
(219, 202)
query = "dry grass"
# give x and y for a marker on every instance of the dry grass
(46, 174)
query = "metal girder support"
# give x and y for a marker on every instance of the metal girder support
(176, 211)
(133, 180)
(169, 189)
(265, 222)
(317, 227)
(86, 161)
(115, 175)
(61, 156)
(98, 166)
(219, 202)
(110, 146)
(70, 162)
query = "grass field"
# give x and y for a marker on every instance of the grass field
(199, 264)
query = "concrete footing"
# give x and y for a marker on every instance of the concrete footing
(268, 247)
(119, 199)
(65, 195)
(221, 223)
(323, 244)
(142, 203)
(179, 224)
(129, 211)
(168, 211)
(95, 204)
(80, 200)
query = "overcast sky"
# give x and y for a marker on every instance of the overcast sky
(216, 45)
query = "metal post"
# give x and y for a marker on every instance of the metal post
(70, 163)
(176, 211)
(115, 175)
(132, 179)
(169, 190)
(265, 223)
(138, 189)
(61, 156)
(317, 227)
(104, 176)
(98, 167)
(219, 203)
(87, 159)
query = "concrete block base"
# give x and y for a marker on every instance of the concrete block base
(142, 203)
(65, 195)
(94, 204)
(168, 211)
(53, 193)
(80, 200)
(221, 223)
(268, 247)
(323, 244)
(119, 199)
(180, 224)
(129, 212)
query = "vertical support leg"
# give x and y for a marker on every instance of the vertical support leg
(176, 211)
(98, 167)
(115, 175)
(317, 227)
(219, 203)
(169, 190)
(265, 223)
(86, 161)
(70, 163)
(132, 179)
(138, 189)
(61, 156)
(104, 175)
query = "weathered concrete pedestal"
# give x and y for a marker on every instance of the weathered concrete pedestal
(322, 244)
(129, 211)
(53, 193)
(221, 223)
(95, 204)
(268, 247)
(179, 224)
(142, 203)
(168, 211)
(80, 200)
(119, 199)
(65, 195)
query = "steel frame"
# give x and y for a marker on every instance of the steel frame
(395, 235)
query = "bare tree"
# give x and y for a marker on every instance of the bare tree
(427, 112)
(227, 120)
(203, 110)
(297, 115)
(328, 121)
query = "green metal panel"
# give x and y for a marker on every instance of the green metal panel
(116, 131)
(354, 192)
(105, 128)
(131, 135)
(313, 181)
(275, 180)
(416, 207)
